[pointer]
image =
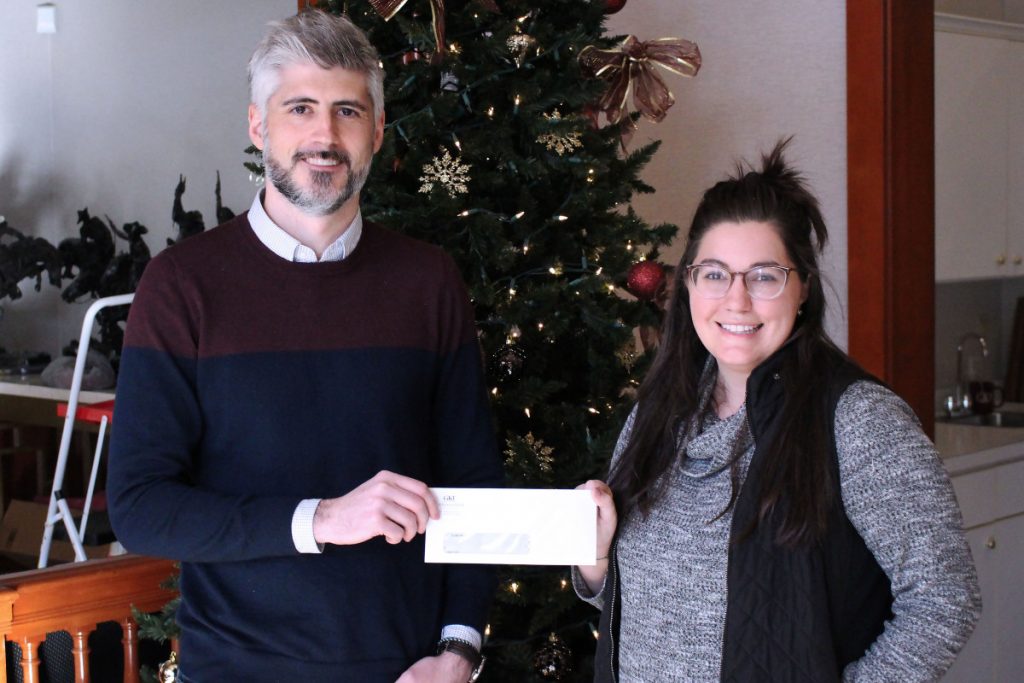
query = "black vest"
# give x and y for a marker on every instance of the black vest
(792, 615)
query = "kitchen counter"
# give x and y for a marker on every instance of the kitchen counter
(967, 447)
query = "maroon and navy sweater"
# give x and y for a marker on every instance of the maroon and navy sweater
(249, 383)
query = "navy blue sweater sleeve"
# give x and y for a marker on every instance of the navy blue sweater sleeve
(156, 507)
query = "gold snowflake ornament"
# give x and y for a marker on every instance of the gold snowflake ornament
(541, 452)
(628, 354)
(447, 172)
(560, 143)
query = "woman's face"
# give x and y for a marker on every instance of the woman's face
(740, 331)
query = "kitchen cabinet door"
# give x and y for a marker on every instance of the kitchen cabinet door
(1008, 599)
(977, 661)
(972, 117)
(991, 497)
(1015, 151)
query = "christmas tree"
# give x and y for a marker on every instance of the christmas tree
(492, 150)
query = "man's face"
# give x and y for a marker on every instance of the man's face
(318, 136)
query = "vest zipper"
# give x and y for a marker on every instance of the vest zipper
(611, 616)
(750, 430)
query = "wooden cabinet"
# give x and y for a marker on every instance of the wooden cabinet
(992, 501)
(979, 152)
(1015, 161)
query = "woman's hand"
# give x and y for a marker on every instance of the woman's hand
(606, 517)
(606, 523)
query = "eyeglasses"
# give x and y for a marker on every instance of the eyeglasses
(763, 283)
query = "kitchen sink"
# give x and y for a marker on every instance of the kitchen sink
(996, 419)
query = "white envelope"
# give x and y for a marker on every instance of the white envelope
(513, 526)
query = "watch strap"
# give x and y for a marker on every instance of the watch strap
(465, 650)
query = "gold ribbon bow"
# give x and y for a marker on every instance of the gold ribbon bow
(389, 8)
(630, 65)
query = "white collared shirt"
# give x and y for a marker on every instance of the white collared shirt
(287, 247)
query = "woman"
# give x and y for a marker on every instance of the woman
(781, 516)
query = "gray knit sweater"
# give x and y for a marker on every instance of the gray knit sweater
(895, 492)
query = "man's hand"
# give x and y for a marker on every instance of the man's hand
(389, 505)
(446, 667)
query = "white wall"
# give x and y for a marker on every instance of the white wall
(107, 112)
(771, 69)
(127, 95)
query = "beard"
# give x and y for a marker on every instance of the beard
(321, 198)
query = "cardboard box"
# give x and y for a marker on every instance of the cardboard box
(21, 534)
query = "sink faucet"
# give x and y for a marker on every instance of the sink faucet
(961, 398)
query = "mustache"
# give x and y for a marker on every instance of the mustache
(325, 154)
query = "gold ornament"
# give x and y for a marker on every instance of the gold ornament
(542, 454)
(519, 44)
(447, 172)
(559, 143)
(168, 671)
(553, 660)
(627, 355)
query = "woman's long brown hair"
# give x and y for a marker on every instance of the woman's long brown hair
(795, 467)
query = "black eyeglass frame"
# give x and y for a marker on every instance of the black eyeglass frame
(732, 276)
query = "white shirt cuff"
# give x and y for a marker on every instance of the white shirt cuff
(302, 527)
(460, 632)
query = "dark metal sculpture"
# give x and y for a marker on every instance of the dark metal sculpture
(125, 270)
(224, 214)
(189, 222)
(86, 257)
(93, 264)
(121, 276)
(25, 257)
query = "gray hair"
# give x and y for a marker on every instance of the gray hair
(316, 37)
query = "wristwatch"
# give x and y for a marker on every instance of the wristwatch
(465, 650)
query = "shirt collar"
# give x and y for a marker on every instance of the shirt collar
(289, 248)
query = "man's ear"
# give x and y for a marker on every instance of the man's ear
(256, 126)
(378, 133)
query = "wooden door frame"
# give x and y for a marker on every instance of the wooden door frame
(891, 195)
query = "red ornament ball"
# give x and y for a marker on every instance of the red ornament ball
(411, 56)
(645, 280)
(613, 6)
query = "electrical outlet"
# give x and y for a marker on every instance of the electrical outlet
(46, 18)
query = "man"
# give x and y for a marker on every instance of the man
(292, 381)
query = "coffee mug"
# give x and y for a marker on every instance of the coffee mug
(985, 396)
